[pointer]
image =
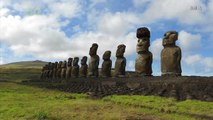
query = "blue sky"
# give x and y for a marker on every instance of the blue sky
(53, 30)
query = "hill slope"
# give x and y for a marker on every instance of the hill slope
(25, 64)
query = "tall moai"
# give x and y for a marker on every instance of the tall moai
(69, 68)
(107, 64)
(120, 63)
(94, 61)
(170, 55)
(75, 67)
(59, 69)
(55, 70)
(63, 69)
(84, 67)
(143, 64)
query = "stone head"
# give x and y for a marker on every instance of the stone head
(84, 60)
(170, 38)
(120, 50)
(143, 35)
(107, 55)
(69, 62)
(60, 64)
(64, 64)
(93, 49)
(75, 61)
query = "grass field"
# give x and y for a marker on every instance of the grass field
(21, 102)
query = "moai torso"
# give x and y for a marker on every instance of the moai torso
(143, 64)
(69, 68)
(120, 63)
(48, 72)
(107, 64)
(55, 70)
(171, 55)
(51, 70)
(63, 69)
(59, 69)
(84, 67)
(75, 67)
(94, 61)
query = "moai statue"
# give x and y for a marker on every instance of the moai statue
(170, 55)
(143, 64)
(59, 69)
(51, 67)
(63, 69)
(107, 64)
(84, 67)
(48, 70)
(43, 71)
(55, 70)
(120, 63)
(75, 67)
(94, 61)
(69, 68)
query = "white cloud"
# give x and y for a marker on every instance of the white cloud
(171, 10)
(117, 24)
(95, 2)
(189, 42)
(156, 47)
(200, 64)
(140, 3)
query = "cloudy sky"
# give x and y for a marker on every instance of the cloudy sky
(53, 30)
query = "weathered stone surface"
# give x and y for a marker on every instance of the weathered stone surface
(69, 68)
(44, 71)
(59, 69)
(63, 69)
(75, 67)
(94, 61)
(143, 64)
(55, 70)
(84, 67)
(120, 63)
(107, 64)
(170, 55)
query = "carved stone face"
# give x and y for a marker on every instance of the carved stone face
(107, 55)
(69, 62)
(84, 60)
(93, 49)
(170, 38)
(120, 50)
(143, 45)
(75, 61)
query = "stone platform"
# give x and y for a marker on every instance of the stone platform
(181, 88)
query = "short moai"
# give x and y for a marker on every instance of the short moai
(75, 67)
(84, 67)
(48, 70)
(63, 69)
(120, 63)
(51, 67)
(94, 61)
(69, 68)
(55, 70)
(59, 69)
(43, 71)
(170, 55)
(143, 63)
(106, 65)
